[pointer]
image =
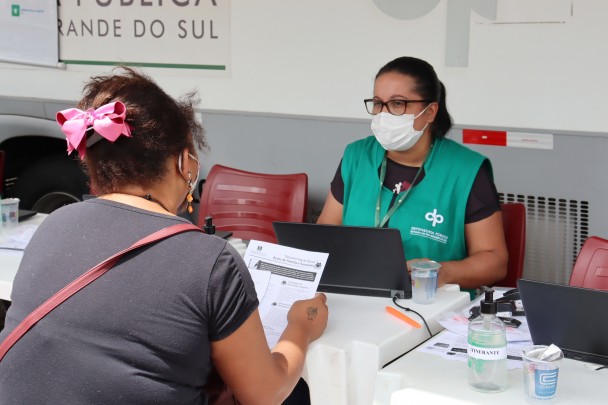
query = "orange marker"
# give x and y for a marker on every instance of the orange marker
(403, 317)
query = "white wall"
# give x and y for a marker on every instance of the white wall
(541, 64)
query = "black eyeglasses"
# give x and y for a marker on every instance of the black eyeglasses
(395, 107)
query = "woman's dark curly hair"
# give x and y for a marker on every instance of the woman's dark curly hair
(161, 127)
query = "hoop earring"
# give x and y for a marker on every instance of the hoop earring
(189, 197)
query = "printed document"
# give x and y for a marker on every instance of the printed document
(282, 275)
(16, 239)
(452, 343)
(453, 346)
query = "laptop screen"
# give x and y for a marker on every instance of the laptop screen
(25, 214)
(362, 260)
(572, 318)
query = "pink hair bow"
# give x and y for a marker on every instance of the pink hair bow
(108, 121)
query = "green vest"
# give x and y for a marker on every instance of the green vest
(431, 219)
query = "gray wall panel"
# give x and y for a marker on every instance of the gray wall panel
(574, 169)
(281, 144)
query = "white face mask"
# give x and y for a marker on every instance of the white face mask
(396, 132)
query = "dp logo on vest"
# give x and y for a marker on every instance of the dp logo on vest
(434, 217)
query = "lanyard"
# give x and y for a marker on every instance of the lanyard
(397, 204)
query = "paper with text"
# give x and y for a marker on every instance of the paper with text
(453, 346)
(18, 237)
(282, 275)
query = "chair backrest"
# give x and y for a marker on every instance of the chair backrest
(247, 203)
(514, 225)
(591, 267)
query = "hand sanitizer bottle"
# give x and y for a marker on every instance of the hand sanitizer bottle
(487, 349)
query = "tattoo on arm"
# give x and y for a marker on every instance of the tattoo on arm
(311, 313)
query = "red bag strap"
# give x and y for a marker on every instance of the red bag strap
(84, 280)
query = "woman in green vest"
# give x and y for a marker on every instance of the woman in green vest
(438, 193)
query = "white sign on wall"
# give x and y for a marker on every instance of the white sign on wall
(186, 34)
(28, 32)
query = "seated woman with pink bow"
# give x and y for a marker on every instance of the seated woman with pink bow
(151, 328)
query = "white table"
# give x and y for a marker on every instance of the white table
(10, 260)
(361, 337)
(433, 379)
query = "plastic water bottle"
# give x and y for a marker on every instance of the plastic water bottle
(487, 348)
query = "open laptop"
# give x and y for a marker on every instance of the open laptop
(572, 318)
(25, 214)
(362, 260)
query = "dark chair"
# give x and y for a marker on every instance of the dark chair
(3, 306)
(247, 203)
(514, 224)
(591, 267)
(1, 172)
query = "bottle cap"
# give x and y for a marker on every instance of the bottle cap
(488, 305)
(209, 228)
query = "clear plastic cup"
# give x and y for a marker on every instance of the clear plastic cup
(540, 376)
(424, 281)
(10, 213)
